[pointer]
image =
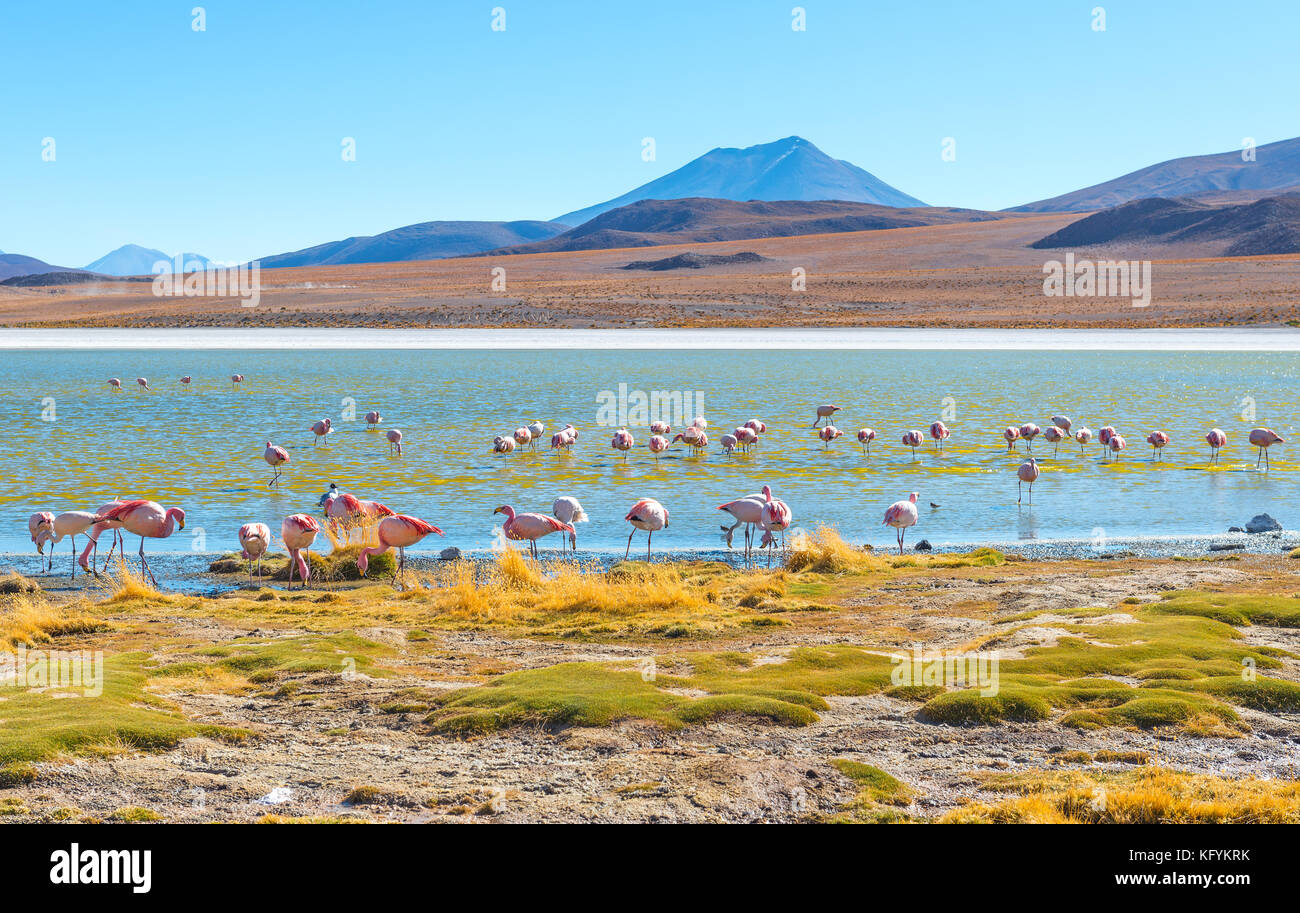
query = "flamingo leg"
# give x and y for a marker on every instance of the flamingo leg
(145, 564)
(649, 536)
(73, 575)
(1019, 492)
(627, 551)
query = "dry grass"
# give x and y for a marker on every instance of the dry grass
(31, 619)
(124, 584)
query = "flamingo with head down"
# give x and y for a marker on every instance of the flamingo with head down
(865, 437)
(298, 531)
(394, 441)
(72, 523)
(913, 439)
(1264, 438)
(1215, 439)
(939, 431)
(1157, 440)
(148, 520)
(37, 524)
(567, 509)
(399, 532)
(275, 458)
(531, 527)
(900, 515)
(254, 540)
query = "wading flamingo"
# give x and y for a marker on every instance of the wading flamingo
(1264, 438)
(275, 458)
(694, 438)
(523, 437)
(649, 515)
(565, 438)
(729, 444)
(115, 384)
(913, 439)
(186, 380)
(348, 511)
(776, 518)
(1116, 444)
(502, 444)
(865, 437)
(1029, 431)
(756, 426)
(236, 380)
(828, 433)
(394, 441)
(397, 532)
(568, 510)
(73, 523)
(254, 540)
(37, 524)
(939, 431)
(745, 437)
(1027, 474)
(825, 412)
(747, 511)
(1054, 435)
(900, 515)
(143, 382)
(94, 533)
(1215, 439)
(1104, 434)
(623, 441)
(530, 527)
(700, 422)
(1011, 435)
(658, 444)
(1063, 422)
(298, 532)
(1157, 440)
(373, 418)
(321, 429)
(148, 520)
(660, 428)
(536, 429)
(1083, 436)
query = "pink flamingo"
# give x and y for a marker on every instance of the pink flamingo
(660, 428)
(502, 444)
(1215, 439)
(298, 532)
(373, 418)
(900, 515)
(397, 532)
(143, 382)
(535, 429)
(1029, 431)
(186, 380)
(825, 412)
(745, 437)
(1054, 435)
(275, 458)
(865, 437)
(1012, 435)
(531, 527)
(96, 531)
(776, 518)
(828, 433)
(658, 444)
(913, 439)
(729, 444)
(1264, 438)
(1157, 440)
(565, 438)
(115, 384)
(567, 509)
(148, 520)
(254, 539)
(939, 431)
(1116, 444)
(394, 441)
(748, 511)
(37, 524)
(523, 437)
(756, 426)
(1104, 434)
(1083, 436)
(236, 380)
(346, 510)
(623, 441)
(72, 523)
(1028, 473)
(1063, 422)
(321, 429)
(694, 438)
(649, 515)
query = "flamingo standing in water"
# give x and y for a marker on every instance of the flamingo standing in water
(530, 527)
(1083, 436)
(536, 429)
(1157, 440)
(623, 441)
(1264, 438)
(1116, 444)
(298, 532)
(729, 444)
(776, 518)
(747, 511)
(1029, 431)
(73, 523)
(254, 540)
(394, 441)
(660, 428)
(503, 444)
(865, 437)
(148, 520)
(373, 418)
(649, 515)
(347, 511)
(523, 437)
(1054, 435)
(900, 515)
(1063, 422)
(1104, 434)
(825, 412)
(756, 426)
(94, 533)
(186, 380)
(143, 382)
(565, 438)
(1028, 473)
(939, 431)
(1012, 434)
(913, 439)
(37, 524)
(399, 532)
(321, 429)
(658, 444)
(236, 380)
(568, 510)
(745, 437)
(275, 458)
(1215, 439)
(694, 438)
(115, 384)
(828, 433)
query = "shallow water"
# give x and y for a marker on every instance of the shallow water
(201, 448)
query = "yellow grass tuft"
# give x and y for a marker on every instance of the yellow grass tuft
(824, 551)
(124, 584)
(30, 619)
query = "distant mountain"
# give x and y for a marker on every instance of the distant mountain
(1224, 176)
(423, 241)
(18, 265)
(650, 222)
(134, 260)
(788, 169)
(1268, 226)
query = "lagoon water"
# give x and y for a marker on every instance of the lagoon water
(68, 443)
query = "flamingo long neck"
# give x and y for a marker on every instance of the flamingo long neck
(169, 526)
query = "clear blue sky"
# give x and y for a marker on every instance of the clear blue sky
(227, 142)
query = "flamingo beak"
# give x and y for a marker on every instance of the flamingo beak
(439, 532)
